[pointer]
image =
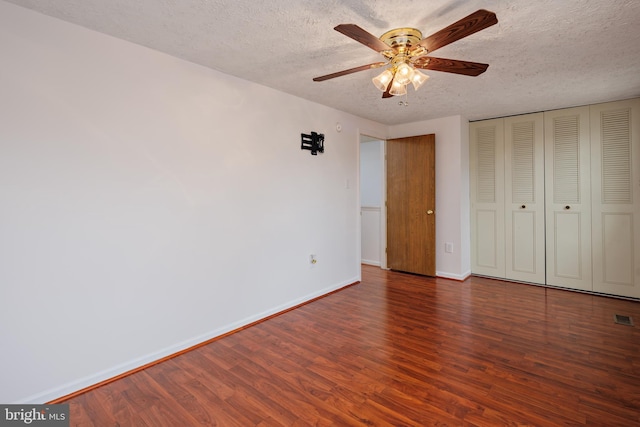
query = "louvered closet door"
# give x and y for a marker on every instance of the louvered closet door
(567, 193)
(615, 171)
(487, 197)
(524, 198)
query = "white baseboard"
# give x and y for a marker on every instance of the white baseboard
(369, 262)
(98, 377)
(460, 277)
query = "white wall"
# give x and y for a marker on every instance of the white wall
(452, 190)
(148, 204)
(371, 173)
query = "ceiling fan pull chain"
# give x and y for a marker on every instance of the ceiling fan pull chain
(405, 102)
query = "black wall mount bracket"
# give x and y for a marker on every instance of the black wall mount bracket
(313, 142)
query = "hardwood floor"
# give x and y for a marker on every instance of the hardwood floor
(399, 350)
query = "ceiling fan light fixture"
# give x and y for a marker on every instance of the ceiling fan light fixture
(418, 79)
(406, 51)
(381, 81)
(397, 88)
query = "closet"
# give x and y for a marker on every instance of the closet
(555, 198)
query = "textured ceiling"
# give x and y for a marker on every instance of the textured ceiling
(543, 54)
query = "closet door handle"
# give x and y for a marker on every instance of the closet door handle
(567, 207)
(523, 207)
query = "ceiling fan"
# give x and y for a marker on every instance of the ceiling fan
(406, 51)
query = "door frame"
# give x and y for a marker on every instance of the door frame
(383, 207)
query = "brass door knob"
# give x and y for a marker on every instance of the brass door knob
(429, 212)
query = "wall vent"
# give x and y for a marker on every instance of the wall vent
(623, 320)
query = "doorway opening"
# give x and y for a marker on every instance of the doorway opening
(372, 201)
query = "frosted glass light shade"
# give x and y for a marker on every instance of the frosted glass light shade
(404, 73)
(381, 81)
(418, 79)
(397, 88)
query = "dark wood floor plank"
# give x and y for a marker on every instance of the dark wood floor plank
(193, 397)
(399, 350)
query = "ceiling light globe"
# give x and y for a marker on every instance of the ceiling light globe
(404, 73)
(397, 88)
(381, 81)
(418, 79)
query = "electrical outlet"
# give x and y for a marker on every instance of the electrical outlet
(448, 247)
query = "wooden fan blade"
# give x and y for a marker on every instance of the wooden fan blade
(349, 71)
(478, 20)
(386, 93)
(450, 65)
(362, 36)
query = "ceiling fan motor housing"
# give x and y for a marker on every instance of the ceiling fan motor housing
(403, 43)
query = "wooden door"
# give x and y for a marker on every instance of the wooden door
(411, 204)
(568, 198)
